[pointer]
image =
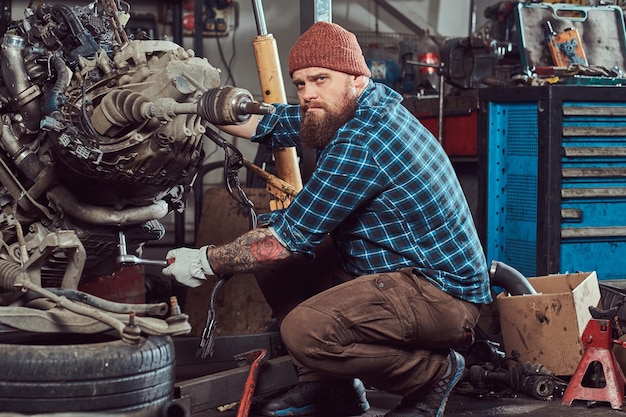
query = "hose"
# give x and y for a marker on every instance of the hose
(104, 215)
(507, 277)
(88, 45)
(55, 98)
(19, 85)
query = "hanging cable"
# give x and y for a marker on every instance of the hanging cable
(233, 162)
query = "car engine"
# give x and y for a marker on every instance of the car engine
(101, 137)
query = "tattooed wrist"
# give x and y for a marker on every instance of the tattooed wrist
(248, 253)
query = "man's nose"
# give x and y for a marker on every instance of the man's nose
(308, 92)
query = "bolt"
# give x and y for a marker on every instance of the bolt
(131, 332)
(174, 307)
(176, 318)
(131, 319)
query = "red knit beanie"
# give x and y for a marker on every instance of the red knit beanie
(328, 45)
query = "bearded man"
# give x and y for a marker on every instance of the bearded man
(374, 271)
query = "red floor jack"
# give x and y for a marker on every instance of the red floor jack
(598, 341)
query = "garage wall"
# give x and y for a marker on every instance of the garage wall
(450, 18)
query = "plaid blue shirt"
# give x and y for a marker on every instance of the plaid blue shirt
(387, 193)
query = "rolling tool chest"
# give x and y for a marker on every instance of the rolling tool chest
(552, 178)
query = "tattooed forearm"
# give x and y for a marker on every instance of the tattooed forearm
(248, 253)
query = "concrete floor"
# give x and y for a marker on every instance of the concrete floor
(497, 399)
(473, 406)
(490, 406)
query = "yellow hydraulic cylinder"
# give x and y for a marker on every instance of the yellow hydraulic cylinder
(273, 90)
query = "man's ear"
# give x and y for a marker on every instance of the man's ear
(360, 81)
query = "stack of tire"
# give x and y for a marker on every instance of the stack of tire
(52, 373)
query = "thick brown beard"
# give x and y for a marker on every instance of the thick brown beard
(316, 132)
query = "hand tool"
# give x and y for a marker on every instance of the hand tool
(254, 358)
(124, 259)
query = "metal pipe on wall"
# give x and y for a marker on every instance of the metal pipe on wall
(472, 17)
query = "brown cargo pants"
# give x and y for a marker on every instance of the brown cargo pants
(391, 330)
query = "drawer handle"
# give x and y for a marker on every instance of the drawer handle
(593, 232)
(593, 172)
(593, 192)
(572, 214)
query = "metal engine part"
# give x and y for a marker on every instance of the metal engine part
(490, 369)
(101, 137)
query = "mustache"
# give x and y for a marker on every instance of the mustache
(307, 106)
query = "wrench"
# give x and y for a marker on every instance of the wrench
(124, 259)
(254, 358)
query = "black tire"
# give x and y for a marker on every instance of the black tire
(69, 373)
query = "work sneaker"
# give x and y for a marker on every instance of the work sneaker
(326, 398)
(434, 404)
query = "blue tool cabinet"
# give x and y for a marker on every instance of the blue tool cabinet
(552, 179)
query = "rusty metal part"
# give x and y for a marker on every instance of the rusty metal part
(275, 186)
(253, 358)
(154, 310)
(49, 312)
(66, 310)
(45, 317)
(110, 8)
(533, 380)
(177, 319)
(128, 332)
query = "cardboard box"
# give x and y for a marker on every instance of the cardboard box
(546, 327)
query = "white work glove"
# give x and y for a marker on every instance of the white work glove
(190, 267)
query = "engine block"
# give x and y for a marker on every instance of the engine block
(101, 133)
